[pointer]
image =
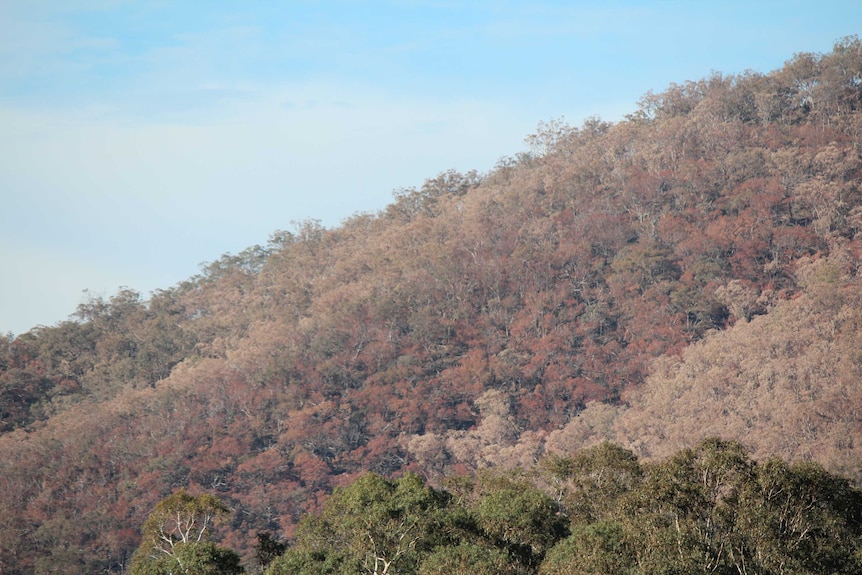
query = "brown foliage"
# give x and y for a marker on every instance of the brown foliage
(472, 323)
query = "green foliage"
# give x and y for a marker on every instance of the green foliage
(710, 509)
(267, 549)
(555, 280)
(176, 539)
(204, 558)
(381, 526)
(595, 549)
(183, 517)
(801, 515)
(374, 525)
(684, 513)
(590, 485)
(517, 516)
(467, 559)
(713, 510)
(325, 561)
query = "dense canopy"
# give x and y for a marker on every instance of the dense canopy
(689, 271)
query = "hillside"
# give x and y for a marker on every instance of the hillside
(476, 321)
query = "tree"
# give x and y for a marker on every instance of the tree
(683, 515)
(467, 559)
(267, 549)
(590, 484)
(517, 516)
(303, 561)
(176, 538)
(597, 549)
(204, 558)
(712, 509)
(373, 526)
(556, 280)
(799, 516)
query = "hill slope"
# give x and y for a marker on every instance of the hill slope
(468, 324)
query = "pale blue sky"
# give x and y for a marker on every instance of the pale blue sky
(139, 139)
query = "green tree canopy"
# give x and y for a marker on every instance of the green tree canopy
(374, 526)
(590, 484)
(177, 538)
(515, 515)
(595, 549)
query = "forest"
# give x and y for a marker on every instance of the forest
(688, 273)
(709, 509)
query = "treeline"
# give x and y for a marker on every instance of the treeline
(709, 509)
(111, 345)
(476, 322)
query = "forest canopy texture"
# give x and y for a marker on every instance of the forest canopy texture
(710, 509)
(691, 271)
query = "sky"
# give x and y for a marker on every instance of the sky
(141, 139)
